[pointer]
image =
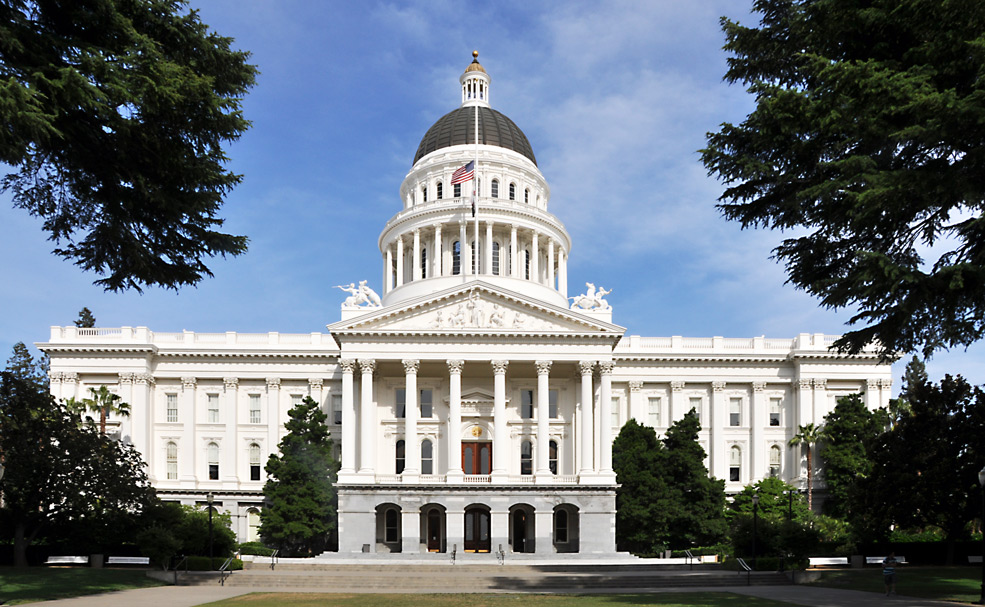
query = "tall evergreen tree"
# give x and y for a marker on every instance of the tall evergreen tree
(866, 142)
(849, 431)
(24, 366)
(299, 515)
(85, 320)
(638, 458)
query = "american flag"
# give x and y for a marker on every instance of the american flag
(463, 174)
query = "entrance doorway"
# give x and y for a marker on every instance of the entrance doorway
(477, 536)
(476, 457)
(522, 528)
(434, 530)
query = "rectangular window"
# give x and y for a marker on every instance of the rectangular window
(653, 411)
(401, 396)
(254, 408)
(552, 403)
(426, 409)
(775, 411)
(735, 412)
(735, 464)
(527, 404)
(213, 408)
(775, 461)
(458, 190)
(296, 399)
(615, 412)
(696, 405)
(254, 462)
(172, 455)
(172, 407)
(337, 409)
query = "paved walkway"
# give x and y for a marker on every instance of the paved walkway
(189, 596)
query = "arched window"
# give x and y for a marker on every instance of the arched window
(254, 462)
(775, 455)
(212, 452)
(172, 454)
(253, 524)
(391, 524)
(552, 457)
(735, 463)
(495, 260)
(424, 193)
(456, 258)
(512, 191)
(424, 262)
(427, 457)
(401, 458)
(561, 525)
(495, 188)
(526, 195)
(526, 264)
(526, 458)
(440, 190)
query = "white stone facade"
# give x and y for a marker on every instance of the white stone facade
(472, 406)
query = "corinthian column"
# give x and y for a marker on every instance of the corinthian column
(501, 437)
(543, 418)
(412, 451)
(367, 419)
(455, 419)
(586, 420)
(348, 417)
(605, 415)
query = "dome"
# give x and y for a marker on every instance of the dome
(458, 128)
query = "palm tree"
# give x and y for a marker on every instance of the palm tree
(809, 436)
(105, 402)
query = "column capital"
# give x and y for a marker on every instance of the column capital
(872, 384)
(230, 383)
(886, 383)
(315, 383)
(677, 385)
(367, 365)
(585, 367)
(605, 367)
(820, 382)
(144, 378)
(455, 366)
(70, 377)
(348, 365)
(499, 366)
(717, 386)
(758, 386)
(411, 365)
(188, 383)
(635, 385)
(55, 377)
(126, 378)
(803, 383)
(273, 382)
(417, 232)
(543, 366)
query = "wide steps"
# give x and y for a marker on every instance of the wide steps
(488, 578)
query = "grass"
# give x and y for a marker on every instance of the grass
(675, 599)
(941, 583)
(19, 586)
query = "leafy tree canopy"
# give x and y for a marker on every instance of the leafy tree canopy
(115, 113)
(774, 500)
(848, 432)
(867, 142)
(299, 516)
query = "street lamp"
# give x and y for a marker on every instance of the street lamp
(755, 523)
(211, 498)
(981, 481)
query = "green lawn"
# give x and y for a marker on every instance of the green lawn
(19, 586)
(941, 583)
(678, 599)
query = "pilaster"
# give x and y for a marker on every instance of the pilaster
(348, 464)
(501, 439)
(455, 421)
(367, 419)
(543, 469)
(412, 451)
(586, 419)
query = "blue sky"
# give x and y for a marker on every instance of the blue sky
(615, 98)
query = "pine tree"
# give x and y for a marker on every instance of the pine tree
(637, 458)
(299, 516)
(85, 320)
(23, 366)
(848, 433)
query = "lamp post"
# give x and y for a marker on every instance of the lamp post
(211, 498)
(981, 482)
(755, 524)
(790, 494)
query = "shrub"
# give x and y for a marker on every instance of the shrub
(201, 563)
(256, 548)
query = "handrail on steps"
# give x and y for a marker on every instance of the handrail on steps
(184, 560)
(224, 571)
(273, 558)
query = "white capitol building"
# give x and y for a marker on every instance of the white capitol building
(473, 403)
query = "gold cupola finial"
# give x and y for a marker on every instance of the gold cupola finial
(475, 66)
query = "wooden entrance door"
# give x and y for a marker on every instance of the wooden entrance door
(477, 457)
(477, 537)
(434, 531)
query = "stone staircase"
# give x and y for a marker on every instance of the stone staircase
(477, 578)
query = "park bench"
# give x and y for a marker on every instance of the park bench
(877, 560)
(974, 559)
(828, 561)
(128, 560)
(67, 560)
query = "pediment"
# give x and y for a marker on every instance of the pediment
(475, 308)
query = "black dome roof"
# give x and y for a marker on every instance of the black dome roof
(458, 128)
